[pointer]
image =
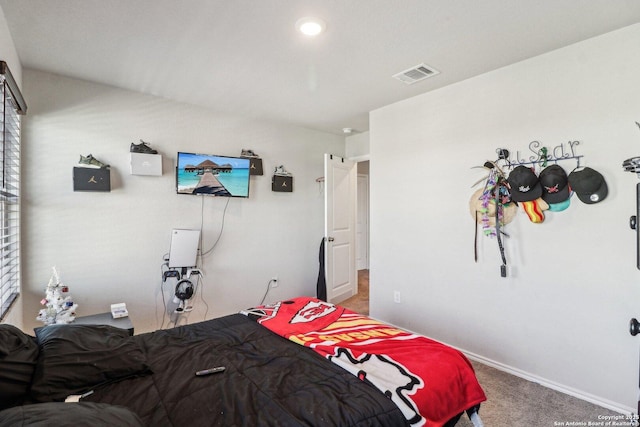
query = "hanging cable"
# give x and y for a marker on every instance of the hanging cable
(164, 303)
(206, 311)
(265, 294)
(224, 213)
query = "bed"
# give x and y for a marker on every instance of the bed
(300, 362)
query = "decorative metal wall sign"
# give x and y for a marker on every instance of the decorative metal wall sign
(541, 154)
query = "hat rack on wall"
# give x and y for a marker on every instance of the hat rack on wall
(496, 180)
(541, 155)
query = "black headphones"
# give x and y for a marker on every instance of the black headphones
(184, 289)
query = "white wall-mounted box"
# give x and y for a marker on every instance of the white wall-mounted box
(146, 164)
(184, 248)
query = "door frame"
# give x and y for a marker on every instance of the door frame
(358, 159)
(362, 207)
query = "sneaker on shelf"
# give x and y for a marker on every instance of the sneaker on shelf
(248, 153)
(281, 171)
(91, 162)
(143, 148)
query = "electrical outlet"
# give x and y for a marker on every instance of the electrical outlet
(396, 297)
(274, 282)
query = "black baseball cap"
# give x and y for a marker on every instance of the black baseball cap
(589, 185)
(555, 184)
(524, 184)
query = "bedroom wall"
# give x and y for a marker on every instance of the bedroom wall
(8, 51)
(109, 247)
(357, 146)
(561, 315)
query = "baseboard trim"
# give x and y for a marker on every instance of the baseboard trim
(596, 400)
(578, 394)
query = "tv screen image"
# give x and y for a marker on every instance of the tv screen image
(212, 175)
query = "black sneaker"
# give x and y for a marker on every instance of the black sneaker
(248, 153)
(143, 148)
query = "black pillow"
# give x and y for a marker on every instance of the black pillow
(76, 358)
(61, 414)
(18, 358)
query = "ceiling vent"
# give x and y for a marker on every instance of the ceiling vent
(416, 74)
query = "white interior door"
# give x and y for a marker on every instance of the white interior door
(340, 228)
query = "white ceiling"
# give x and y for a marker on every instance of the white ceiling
(244, 57)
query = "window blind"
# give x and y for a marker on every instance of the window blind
(12, 105)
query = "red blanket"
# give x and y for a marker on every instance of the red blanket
(429, 381)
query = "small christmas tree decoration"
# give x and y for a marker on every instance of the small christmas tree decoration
(59, 306)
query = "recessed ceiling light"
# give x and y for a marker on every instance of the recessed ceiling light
(310, 26)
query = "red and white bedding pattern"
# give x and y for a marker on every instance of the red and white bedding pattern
(429, 381)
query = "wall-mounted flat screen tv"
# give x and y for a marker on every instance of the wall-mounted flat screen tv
(212, 175)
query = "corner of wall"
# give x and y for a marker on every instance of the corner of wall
(357, 145)
(8, 51)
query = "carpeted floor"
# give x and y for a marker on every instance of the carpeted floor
(359, 302)
(513, 401)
